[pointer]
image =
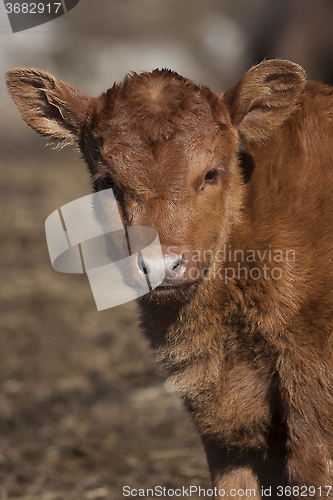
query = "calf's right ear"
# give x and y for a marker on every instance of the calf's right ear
(264, 98)
(49, 106)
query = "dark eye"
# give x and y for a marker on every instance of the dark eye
(108, 182)
(210, 177)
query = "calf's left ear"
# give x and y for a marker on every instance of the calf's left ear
(51, 107)
(264, 98)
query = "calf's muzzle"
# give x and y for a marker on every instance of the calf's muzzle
(173, 265)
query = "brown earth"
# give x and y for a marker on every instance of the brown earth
(84, 409)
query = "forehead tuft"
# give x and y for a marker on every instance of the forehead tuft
(156, 105)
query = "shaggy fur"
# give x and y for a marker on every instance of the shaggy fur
(240, 185)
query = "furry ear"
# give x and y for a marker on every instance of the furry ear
(49, 106)
(264, 98)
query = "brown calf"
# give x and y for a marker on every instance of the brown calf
(239, 187)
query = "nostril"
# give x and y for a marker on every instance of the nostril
(175, 266)
(172, 266)
(179, 263)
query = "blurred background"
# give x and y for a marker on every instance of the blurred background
(84, 409)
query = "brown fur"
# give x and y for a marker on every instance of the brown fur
(245, 175)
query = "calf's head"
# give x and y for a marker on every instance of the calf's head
(168, 148)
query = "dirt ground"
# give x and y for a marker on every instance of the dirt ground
(84, 410)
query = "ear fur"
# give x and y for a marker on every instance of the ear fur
(265, 97)
(49, 106)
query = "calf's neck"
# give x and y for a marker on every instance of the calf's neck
(239, 187)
